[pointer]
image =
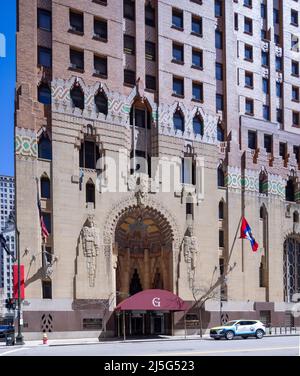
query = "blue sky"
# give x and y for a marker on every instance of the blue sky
(7, 87)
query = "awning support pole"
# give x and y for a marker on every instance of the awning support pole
(124, 334)
(184, 325)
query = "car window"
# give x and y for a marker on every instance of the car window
(243, 322)
(252, 322)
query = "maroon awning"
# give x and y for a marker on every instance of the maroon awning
(153, 300)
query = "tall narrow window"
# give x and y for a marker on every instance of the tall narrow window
(129, 9)
(221, 177)
(77, 97)
(44, 94)
(290, 190)
(90, 192)
(198, 125)
(221, 210)
(47, 289)
(101, 103)
(45, 187)
(178, 121)
(89, 154)
(149, 15)
(44, 148)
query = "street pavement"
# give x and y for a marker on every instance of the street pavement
(268, 346)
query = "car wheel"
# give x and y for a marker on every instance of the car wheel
(245, 337)
(259, 334)
(229, 335)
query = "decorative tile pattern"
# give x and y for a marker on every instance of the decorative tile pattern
(26, 143)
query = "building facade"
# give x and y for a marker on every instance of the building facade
(148, 129)
(7, 192)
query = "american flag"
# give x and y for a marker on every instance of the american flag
(44, 230)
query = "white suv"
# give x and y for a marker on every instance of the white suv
(241, 328)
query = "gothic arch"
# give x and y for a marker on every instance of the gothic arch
(121, 207)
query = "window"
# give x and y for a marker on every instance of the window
(219, 71)
(249, 106)
(295, 43)
(276, 17)
(220, 133)
(283, 150)
(76, 22)
(150, 82)
(197, 59)
(177, 19)
(76, 59)
(295, 118)
(221, 177)
(100, 66)
(266, 112)
(101, 103)
(295, 93)
(178, 121)
(198, 125)
(100, 29)
(218, 39)
(44, 94)
(44, 20)
(248, 3)
(252, 140)
(263, 34)
(291, 267)
(90, 192)
(197, 91)
(44, 57)
(218, 8)
(279, 115)
(178, 55)
(278, 63)
(249, 79)
(236, 21)
(129, 9)
(77, 97)
(268, 143)
(150, 51)
(248, 52)
(279, 89)
(44, 148)
(248, 28)
(129, 44)
(47, 289)
(221, 210)
(264, 58)
(295, 68)
(47, 221)
(45, 188)
(221, 238)
(265, 85)
(290, 190)
(294, 17)
(178, 86)
(197, 25)
(89, 155)
(219, 102)
(263, 10)
(149, 15)
(129, 77)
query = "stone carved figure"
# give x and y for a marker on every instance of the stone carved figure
(91, 247)
(190, 250)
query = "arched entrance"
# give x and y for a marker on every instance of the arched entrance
(144, 245)
(291, 267)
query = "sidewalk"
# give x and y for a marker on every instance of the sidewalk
(94, 341)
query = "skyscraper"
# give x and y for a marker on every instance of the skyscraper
(211, 90)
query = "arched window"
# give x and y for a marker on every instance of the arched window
(45, 187)
(296, 217)
(77, 97)
(290, 190)
(221, 177)
(135, 284)
(101, 103)
(44, 94)
(220, 133)
(221, 210)
(263, 183)
(45, 147)
(90, 192)
(291, 267)
(198, 126)
(178, 121)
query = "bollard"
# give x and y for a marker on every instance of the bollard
(45, 339)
